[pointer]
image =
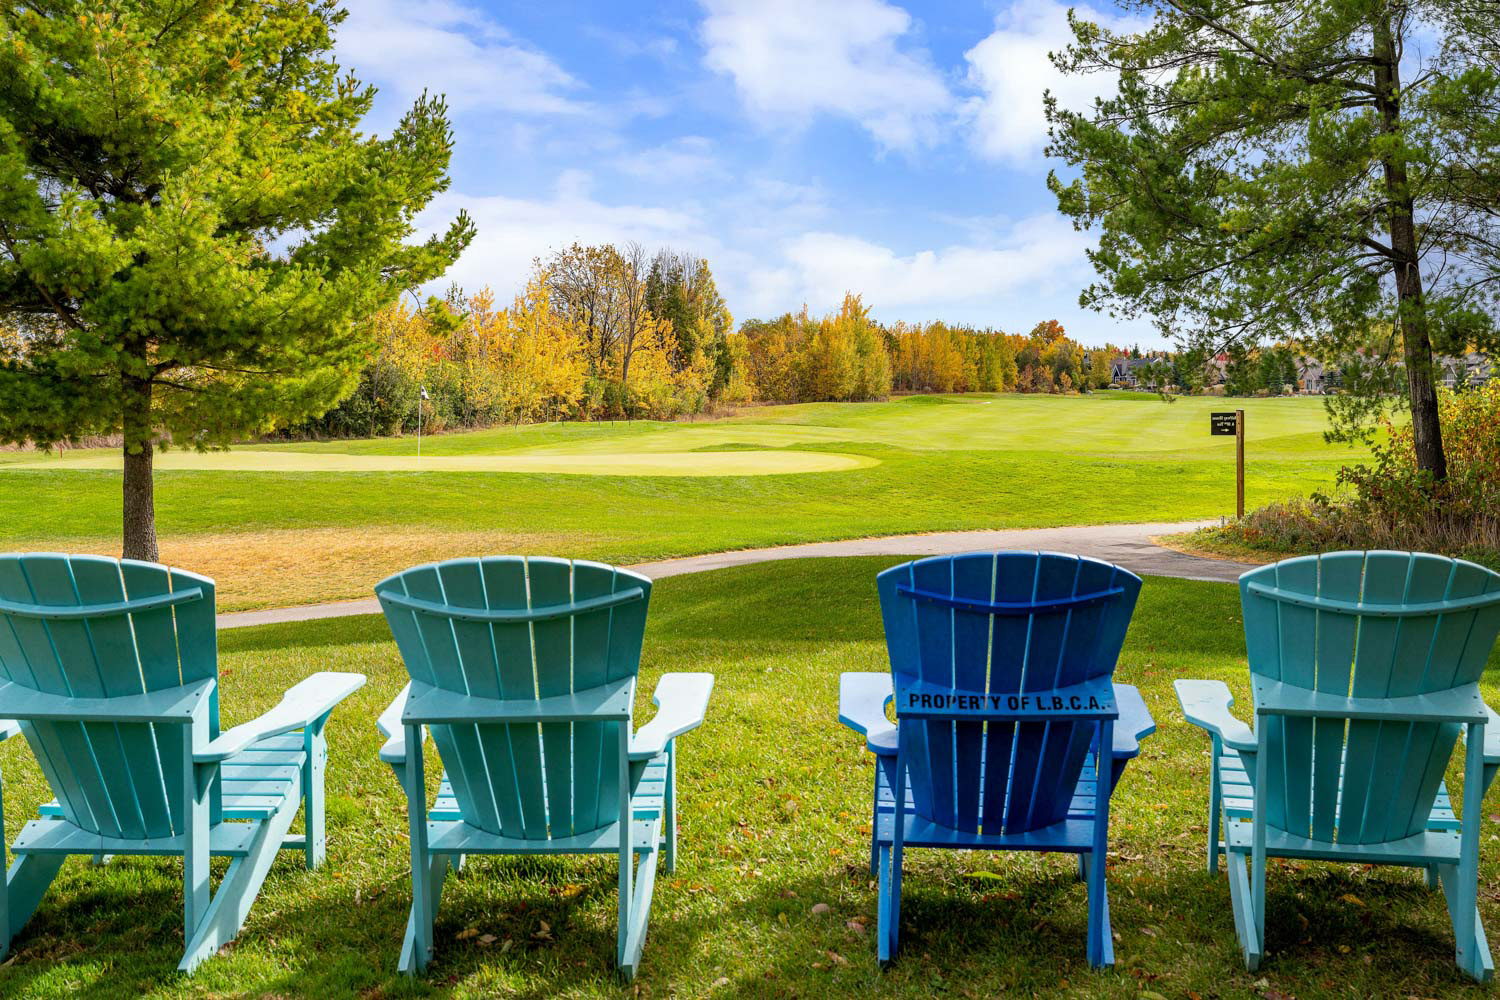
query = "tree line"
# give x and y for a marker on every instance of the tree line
(606, 332)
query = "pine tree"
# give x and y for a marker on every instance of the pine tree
(192, 226)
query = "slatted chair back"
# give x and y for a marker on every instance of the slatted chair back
(1364, 625)
(562, 627)
(1000, 624)
(94, 627)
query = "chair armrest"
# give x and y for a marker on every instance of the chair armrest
(394, 730)
(1134, 724)
(681, 701)
(1491, 737)
(9, 728)
(862, 701)
(1206, 704)
(302, 705)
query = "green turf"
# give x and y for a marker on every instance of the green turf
(983, 462)
(721, 461)
(775, 800)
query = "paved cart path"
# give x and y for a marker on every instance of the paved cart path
(1127, 545)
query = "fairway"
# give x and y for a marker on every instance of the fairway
(300, 522)
(657, 463)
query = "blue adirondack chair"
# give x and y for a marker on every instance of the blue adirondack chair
(110, 669)
(524, 670)
(1364, 670)
(1011, 733)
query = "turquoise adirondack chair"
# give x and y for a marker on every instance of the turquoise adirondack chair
(1364, 670)
(110, 669)
(524, 670)
(1011, 733)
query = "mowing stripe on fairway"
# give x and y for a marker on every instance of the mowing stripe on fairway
(697, 463)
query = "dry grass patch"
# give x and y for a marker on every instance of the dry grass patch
(271, 569)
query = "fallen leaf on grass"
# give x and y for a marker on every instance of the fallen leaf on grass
(1351, 898)
(837, 959)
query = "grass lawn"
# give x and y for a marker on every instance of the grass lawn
(775, 799)
(272, 523)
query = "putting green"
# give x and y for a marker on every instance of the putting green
(632, 463)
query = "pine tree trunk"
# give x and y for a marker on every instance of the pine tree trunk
(1427, 429)
(139, 490)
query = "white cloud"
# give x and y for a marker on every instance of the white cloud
(1035, 256)
(512, 232)
(770, 256)
(407, 46)
(688, 158)
(794, 59)
(1011, 69)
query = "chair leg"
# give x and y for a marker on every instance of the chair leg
(315, 747)
(1101, 951)
(1479, 965)
(416, 950)
(1461, 882)
(670, 807)
(1215, 809)
(1101, 945)
(1247, 927)
(875, 827)
(196, 894)
(628, 959)
(21, 891)
(1430, 872)
(416, 946)
(229, 907)
(889, 907)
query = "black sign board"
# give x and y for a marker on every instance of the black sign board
(1221, 423)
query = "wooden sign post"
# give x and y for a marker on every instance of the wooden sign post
(1226, 424)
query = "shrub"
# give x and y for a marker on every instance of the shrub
(1390, 503)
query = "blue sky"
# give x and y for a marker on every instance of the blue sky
(804, 147)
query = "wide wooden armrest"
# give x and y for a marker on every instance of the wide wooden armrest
(1135, 722)
(9, 728)
(1206, 704)
(862, 701)
(1491, 737)
(303, 704)
(681, 701)
(394, 730)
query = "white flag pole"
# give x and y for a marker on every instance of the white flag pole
(421, 395)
